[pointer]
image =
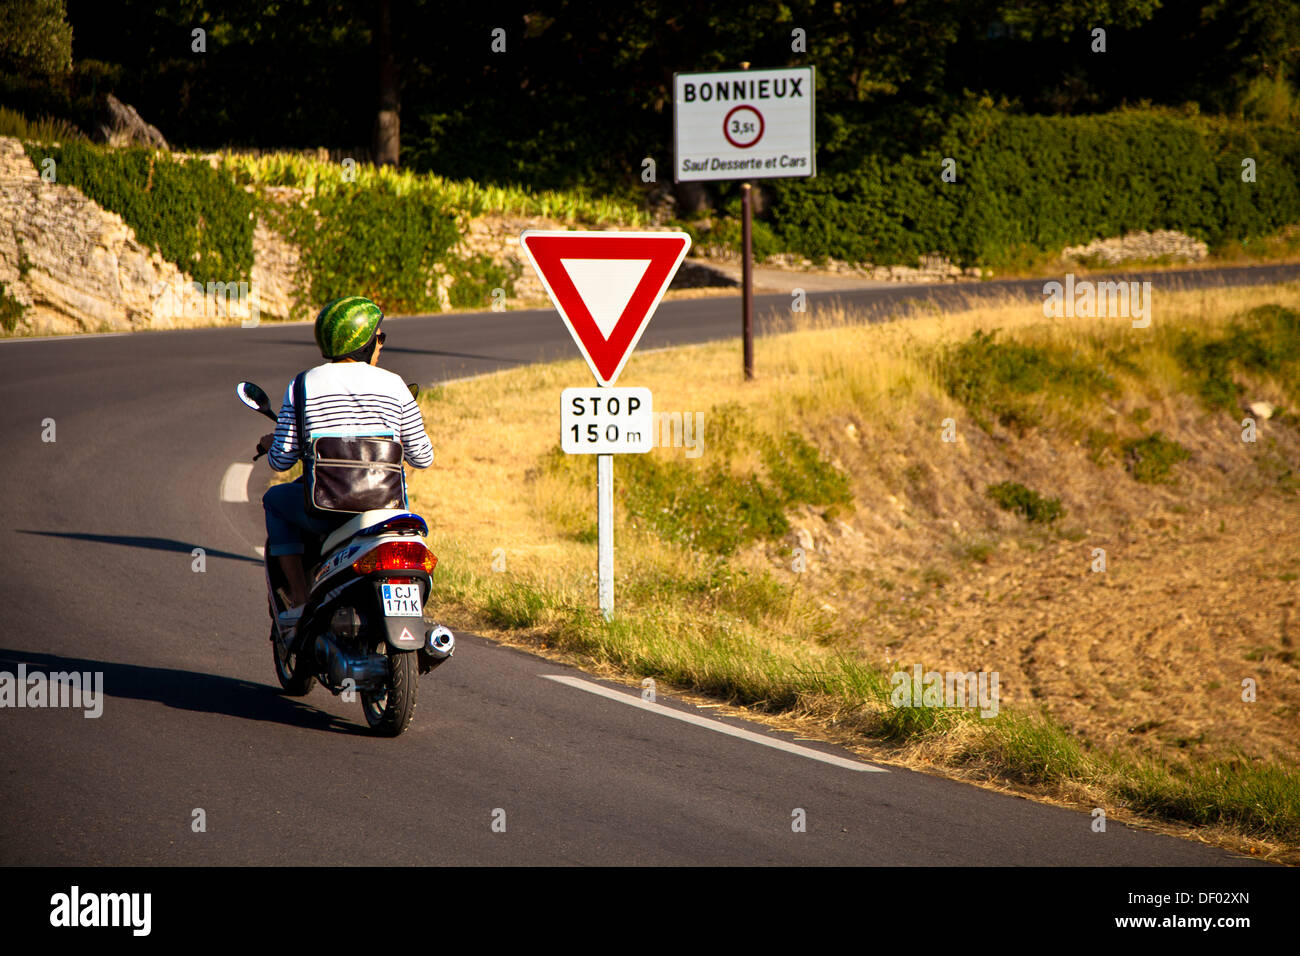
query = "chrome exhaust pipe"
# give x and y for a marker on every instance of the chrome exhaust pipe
(440, 642)
(439, 645)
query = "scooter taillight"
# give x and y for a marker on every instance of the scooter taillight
(396, 556)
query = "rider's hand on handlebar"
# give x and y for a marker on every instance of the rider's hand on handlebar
(264, 444)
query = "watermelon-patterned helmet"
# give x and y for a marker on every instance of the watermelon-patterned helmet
(346, 326)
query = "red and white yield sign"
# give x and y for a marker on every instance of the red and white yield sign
(605, 285)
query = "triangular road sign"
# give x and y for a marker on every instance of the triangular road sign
(605, 285)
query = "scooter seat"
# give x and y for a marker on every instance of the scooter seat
(358, 523)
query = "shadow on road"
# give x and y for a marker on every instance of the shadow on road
(136, 541)
(188, 690)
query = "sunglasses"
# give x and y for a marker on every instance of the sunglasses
(381, 336)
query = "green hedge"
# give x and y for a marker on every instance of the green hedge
(1041, 183)
(191, 214)
(391, 234)
(372, 241)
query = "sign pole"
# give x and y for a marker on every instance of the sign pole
(747, 272)
(605, 533)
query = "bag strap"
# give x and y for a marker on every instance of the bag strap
(299, 400)
(299, 403)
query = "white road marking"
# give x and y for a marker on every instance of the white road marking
(234, 484)
(261, 551)
(708, 724)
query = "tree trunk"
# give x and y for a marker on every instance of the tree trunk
(387, 140)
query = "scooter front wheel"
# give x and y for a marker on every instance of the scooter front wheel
(297, 681)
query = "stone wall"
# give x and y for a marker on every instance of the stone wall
(1164, 244)
(497, 236)
(76, 267)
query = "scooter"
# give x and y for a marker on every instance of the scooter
(362, 631)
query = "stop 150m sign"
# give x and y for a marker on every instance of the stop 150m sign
(606, 421)
(743, 124)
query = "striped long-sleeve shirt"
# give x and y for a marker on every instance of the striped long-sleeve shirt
(351, 398)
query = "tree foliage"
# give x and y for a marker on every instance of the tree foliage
(35, 38)
(581, 92)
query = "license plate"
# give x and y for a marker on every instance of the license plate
(401, 600)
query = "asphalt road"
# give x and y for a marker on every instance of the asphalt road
(95, 559)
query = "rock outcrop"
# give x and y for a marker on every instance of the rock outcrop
(121, 125)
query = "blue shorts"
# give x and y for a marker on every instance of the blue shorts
(288, 519)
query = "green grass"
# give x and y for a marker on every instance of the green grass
(707, 507)
(799, 473)
(1013, 496)
(997, 381)
(515, 605)
(1032, 748)
(1256, 799)
(717, 586)
(1261, 800)
(1264, 341)
(44, 130)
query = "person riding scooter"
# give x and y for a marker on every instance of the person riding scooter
(348, 395)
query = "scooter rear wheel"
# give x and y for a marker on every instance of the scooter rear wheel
(389, 712)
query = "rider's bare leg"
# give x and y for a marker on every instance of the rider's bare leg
(295, 576)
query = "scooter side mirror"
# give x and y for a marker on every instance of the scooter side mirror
(415, 389)
(256, 399)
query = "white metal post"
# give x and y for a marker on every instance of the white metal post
(605, 532)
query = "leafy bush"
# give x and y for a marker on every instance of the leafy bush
(1150, 460)
(1013, 496)
(11, 310)
(476, 278)
(373, 242)
(464, 197)
(191, 214)
(708, 509)
(728, 233)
